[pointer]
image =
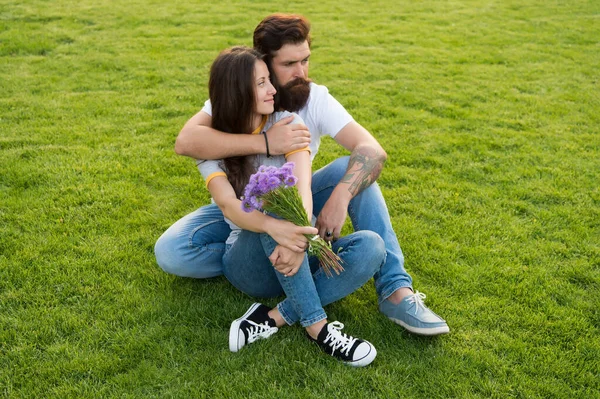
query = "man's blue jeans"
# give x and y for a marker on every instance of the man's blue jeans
(247, 267)
(194, 246)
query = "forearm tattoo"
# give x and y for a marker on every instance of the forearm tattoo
(364, 167)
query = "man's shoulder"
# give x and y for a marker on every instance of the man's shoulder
(318, 90)
(319, 96)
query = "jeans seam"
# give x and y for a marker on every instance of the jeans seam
(320, 315)
(283, 314)
(353, 216)
(325, 187)
(213, 250)
(314, 320)
(193, 232)
(305, 323)
(394, 288)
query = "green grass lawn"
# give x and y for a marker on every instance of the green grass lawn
(489, 112)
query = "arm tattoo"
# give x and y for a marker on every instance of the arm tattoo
(364, 167)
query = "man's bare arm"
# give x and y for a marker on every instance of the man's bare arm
(366, 160)
(364, 166)
(199, 140)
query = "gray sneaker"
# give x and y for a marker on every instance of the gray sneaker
(412, 314)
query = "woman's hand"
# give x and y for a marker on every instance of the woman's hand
(285, 261)
(290, 236)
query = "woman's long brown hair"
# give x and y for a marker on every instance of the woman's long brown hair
(232, 93)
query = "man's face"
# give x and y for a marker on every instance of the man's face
(291, 62)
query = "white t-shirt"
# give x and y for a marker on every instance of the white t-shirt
(322, 114)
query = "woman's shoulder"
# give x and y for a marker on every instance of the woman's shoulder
(279, 115)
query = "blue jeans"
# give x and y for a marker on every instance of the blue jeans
(194, 245)
(247, 267)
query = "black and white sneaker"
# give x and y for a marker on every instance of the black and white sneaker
(255, 324)
(353, 351)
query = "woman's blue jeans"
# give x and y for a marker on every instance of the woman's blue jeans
(194, 246)
(247, 267)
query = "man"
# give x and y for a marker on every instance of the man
(194, 245)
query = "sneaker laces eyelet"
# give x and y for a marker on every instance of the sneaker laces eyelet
(417, 298)
(338, 340)
(258, 330)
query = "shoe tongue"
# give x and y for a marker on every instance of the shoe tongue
(261, 314)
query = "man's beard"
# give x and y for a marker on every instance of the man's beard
(293, 96)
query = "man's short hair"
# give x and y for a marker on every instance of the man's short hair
(277, 30)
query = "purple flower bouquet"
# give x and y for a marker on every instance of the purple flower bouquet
(274, 190)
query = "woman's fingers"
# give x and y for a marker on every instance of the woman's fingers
(291, 273)
(308, 230)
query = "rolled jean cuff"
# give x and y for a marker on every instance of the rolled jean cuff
(305, 323)
(393, 288)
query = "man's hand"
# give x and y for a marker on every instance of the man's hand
(288, 235)
(285, 261)
(332, 216)
(285, 137)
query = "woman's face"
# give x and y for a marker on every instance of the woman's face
(264, 90)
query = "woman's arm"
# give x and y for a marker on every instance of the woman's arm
(303, 171)
(283, 232)
(285, 262)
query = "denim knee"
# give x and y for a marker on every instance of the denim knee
(372, 247)
(175, 256)
(339, 167)
(166, 254)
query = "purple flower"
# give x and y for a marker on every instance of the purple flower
(273, 182)
(287, 169)
(247, 205)
(265, 180)
(256, 203)
(249, 189)
(261, 176)
(290, 181)
(262, 188)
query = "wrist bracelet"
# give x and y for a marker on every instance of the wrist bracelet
(267, 145)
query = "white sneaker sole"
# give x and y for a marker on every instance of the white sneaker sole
(234, 330)
(422, 331)
(365, 361)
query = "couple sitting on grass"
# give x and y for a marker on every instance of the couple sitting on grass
(263, 110)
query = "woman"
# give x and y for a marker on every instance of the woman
(242, 99)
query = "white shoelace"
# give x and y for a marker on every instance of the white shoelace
(258, 331)
(417, 298)
(337, 340)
